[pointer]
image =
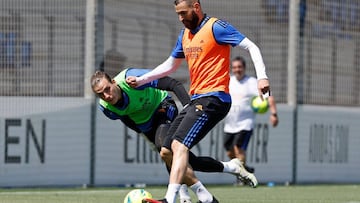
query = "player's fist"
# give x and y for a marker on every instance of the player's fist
(131, 81)
(263, 87)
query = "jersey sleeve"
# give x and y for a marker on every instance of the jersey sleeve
(139, 72)
(178, 51)
(125, 119)
(111, 115)
(256, 57)
(225, 33)
(136, 72)
(175, 86)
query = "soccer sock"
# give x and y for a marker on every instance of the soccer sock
(204, 164)
(201, 192)
(184, 193)
(171, 192)
(229, 167)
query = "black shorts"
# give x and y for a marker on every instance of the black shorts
(164, 115)
(196, 120)
(240, 139)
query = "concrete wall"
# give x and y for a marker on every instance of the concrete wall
(51, 146)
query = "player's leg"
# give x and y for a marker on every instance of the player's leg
(197, 184)
(241, 155)
(173, 188)
(198, 163)
(167, 156)
(229, 145)
(160, 136)
(189, 178)
(197, 187)
(198, 119)
(184, 194)
(203, 164)
(236, 144)
(240, 145)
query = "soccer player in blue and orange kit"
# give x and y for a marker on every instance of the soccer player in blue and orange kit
(205, 44)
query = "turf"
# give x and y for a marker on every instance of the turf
(225, 194)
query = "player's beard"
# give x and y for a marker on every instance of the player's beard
(193, 23)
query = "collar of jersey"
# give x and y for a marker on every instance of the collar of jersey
(124, 101)
(202, 23)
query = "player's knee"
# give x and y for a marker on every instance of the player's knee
(230, 154)
(178, 147)
(165, 153)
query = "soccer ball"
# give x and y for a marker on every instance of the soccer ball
(258, 105)
(136, 196)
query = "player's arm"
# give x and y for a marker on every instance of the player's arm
(173, 85)
(274, 120)
(225, 33)
(111, 115)
(263, 82)
(166, 68)
(125, 119)
(130, 123)
(138, 72)
(256, 57)
(165, 83)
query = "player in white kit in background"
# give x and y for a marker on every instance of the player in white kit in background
(239, 122)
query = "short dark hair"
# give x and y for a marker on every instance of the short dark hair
(241, 59)
(97, 76)
(188, 2)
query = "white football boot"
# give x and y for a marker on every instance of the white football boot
(241, 173)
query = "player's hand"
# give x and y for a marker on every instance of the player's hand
(131, 81)
(263, 87)
(274, 120)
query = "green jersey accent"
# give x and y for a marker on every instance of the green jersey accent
(142, 103)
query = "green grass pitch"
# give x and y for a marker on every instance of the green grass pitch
(225, 194)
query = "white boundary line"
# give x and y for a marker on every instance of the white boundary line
(63, 192)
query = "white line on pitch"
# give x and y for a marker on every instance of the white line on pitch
(61, 192)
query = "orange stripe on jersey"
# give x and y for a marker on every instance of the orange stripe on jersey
(208, 61)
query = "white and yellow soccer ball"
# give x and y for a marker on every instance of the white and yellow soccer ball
(136, 196)
(258, 105)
